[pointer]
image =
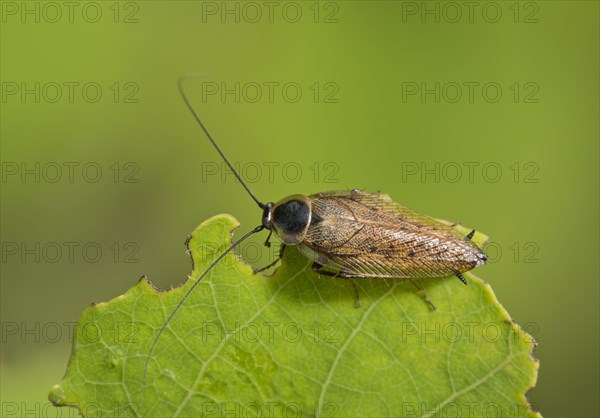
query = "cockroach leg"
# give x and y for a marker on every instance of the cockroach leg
(423, 294)
(318, 268)
(267, 241)
(281, 250)
(470, 235)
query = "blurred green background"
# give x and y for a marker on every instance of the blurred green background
(401, 97)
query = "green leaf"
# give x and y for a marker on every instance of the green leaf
(294, 344)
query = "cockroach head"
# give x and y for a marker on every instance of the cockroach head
(267, 217)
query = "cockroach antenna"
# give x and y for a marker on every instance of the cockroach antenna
(235, 244)
(189, 105)
(214, 263)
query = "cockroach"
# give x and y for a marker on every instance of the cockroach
(354, 234)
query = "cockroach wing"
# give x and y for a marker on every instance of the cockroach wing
(369, 235)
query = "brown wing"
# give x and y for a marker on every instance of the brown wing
(368, 235)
